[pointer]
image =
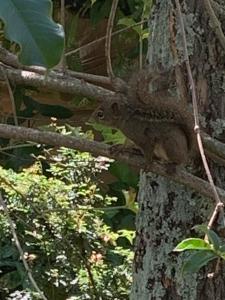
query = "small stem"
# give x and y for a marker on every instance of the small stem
(219, 204)
(20, 250)
(104, 37)
(10, 95)
(108, 40)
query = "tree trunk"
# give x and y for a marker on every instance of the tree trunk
(168, 211)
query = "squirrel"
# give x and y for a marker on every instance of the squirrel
(159, 126)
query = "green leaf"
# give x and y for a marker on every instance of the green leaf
(124, 173)
(214, 239)
(11, 280)
(201, 228)
(48, 110)
(128, 234)
(130, 197)
(99, 11)
(147, 8)
(145, 34)
(192, 244)
(29, 24)
(127, 21)
(222, 248)
(7, 251)
(221, 251)
(198, 260)
(110, 135)
(212, 236)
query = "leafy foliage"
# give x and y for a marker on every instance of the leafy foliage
(59, 221)
(29, 24)
(77, 243)
(109, 134)
(208, 249)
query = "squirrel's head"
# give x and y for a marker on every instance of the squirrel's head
(108, 113)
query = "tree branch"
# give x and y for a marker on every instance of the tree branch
(58, 81)
(97, 148)
(64, 84)
(10, 59)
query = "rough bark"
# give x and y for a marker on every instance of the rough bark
(168, 211)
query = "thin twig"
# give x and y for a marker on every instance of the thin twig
(141, 42)
(103, 38)
(20, 250)
(17, 146)
(11, 96)
(219, 203)
(50, 210)
(108, 40)
(216, 25)
(88, 77)
(62, 18)
(62, 13)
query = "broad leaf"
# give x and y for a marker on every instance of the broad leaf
(198, 260)
(212, 236)
(11, 280)
(192, 244)
(124, 173)
(128, 234)
(222, 248)
(8, 251)
(110, 135)
(47, 110)
(127, 21)
(29, 24)
(130, 197)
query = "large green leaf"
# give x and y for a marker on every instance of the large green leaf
(192, 244)
(110, 135)
(212, 236)
(124, 173)
(198, 260)
(29, 24)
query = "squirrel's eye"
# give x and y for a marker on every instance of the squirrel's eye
(100, 114)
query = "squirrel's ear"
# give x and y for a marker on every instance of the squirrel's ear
(115, 109)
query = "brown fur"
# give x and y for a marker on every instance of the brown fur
(159, 125)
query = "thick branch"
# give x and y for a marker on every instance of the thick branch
(65, 84)
(68, 84)
(96, 148)
(10, 59)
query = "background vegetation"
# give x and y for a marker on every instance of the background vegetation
(74, 213)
